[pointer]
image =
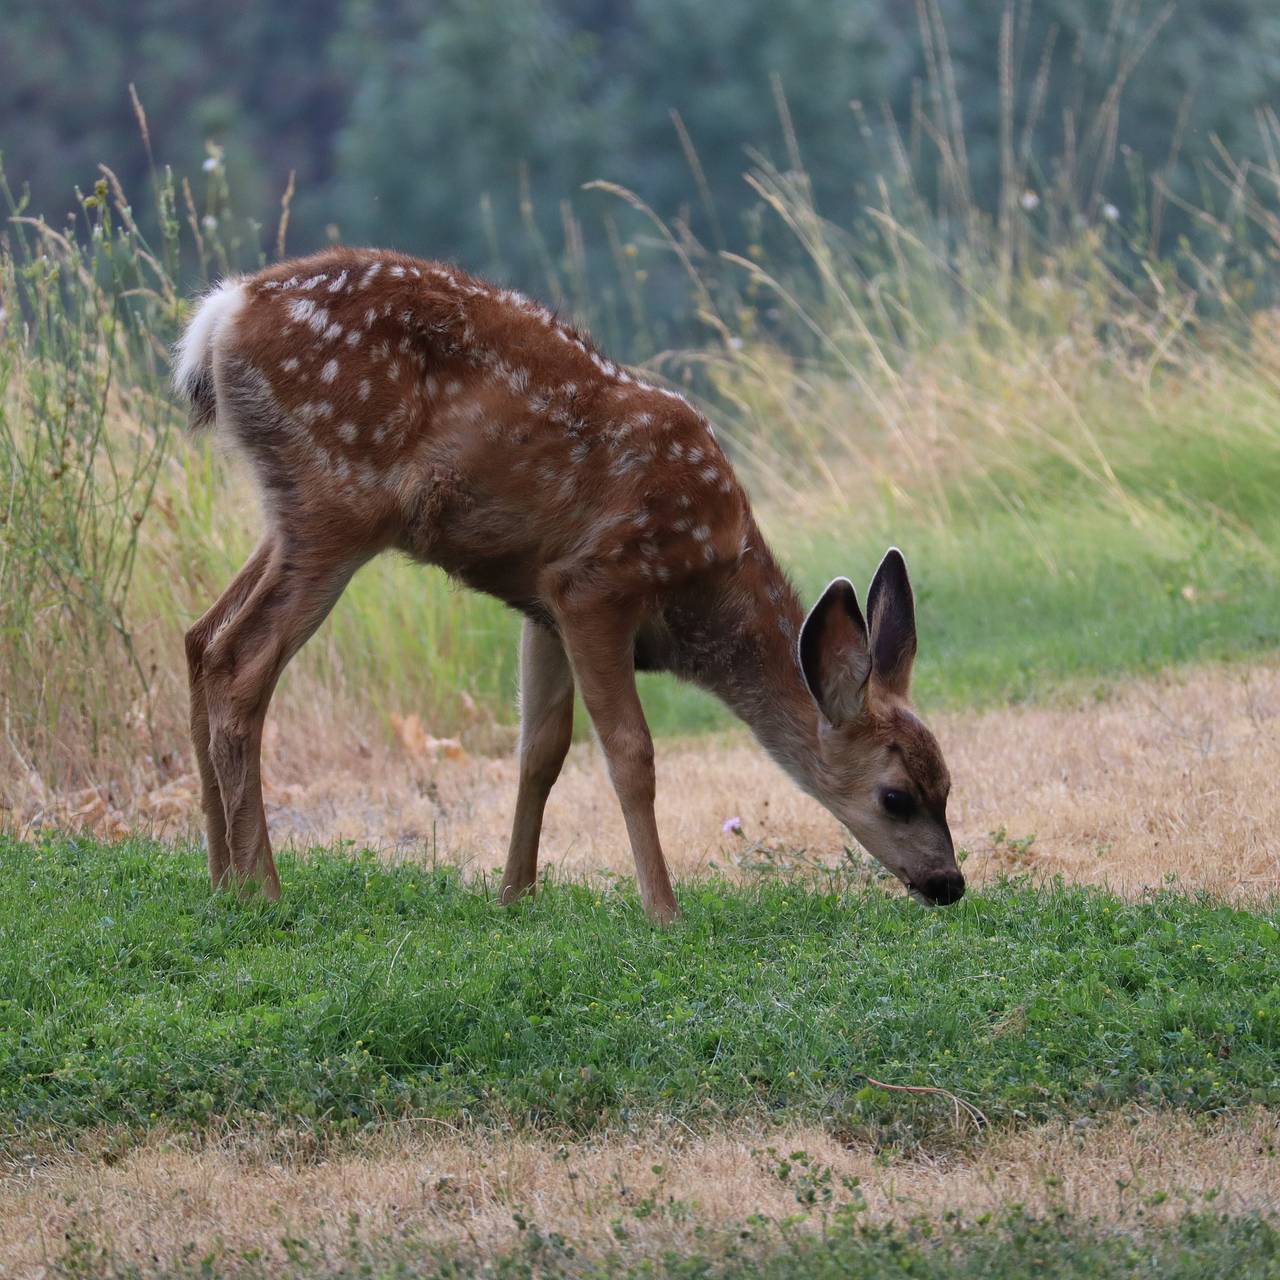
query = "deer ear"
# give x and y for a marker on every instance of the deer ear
(835, 655)
(891, 607)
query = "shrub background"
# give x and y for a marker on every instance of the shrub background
(424, 125)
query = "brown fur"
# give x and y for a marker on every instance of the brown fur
(389, 403)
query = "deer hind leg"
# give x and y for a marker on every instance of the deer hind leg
(291, 598)
(601, 647)
(197, 643)
(546, 727)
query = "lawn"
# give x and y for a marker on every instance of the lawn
(132, 997)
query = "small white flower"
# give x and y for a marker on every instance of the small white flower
(1110, 212)
(735, 343)
(1029, 201)
(210, 164)
(209, 222)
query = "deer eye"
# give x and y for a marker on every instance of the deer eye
(897, 804)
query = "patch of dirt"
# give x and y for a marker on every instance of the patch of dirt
(155, 1202)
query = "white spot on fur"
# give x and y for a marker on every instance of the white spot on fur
(353, 338)
(304, 311)
(363, 388)
(347, 430)
(330, 371)
(290, 365)
(313, 411)
(338, 283)
(397, 271)
(369, 272)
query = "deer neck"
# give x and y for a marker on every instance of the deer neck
(739, 643)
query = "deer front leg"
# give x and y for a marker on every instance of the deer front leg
(601, 648)
(546, 727)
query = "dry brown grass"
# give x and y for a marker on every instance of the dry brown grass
(462, 1190)
(1167, 777)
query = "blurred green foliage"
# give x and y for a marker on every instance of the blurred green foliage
(420, 125)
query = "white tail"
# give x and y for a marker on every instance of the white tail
(193, 358)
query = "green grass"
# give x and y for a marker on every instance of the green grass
(1202, 1246)
(1033, 580)
(130, 996)
(998, 624)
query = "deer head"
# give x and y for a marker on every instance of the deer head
(879, 769)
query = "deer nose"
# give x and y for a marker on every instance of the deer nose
(943, 887)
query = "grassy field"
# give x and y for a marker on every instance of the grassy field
(372, 992)
(1071, 432)
(136, 1005)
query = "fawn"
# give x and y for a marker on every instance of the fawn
(386, 402)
